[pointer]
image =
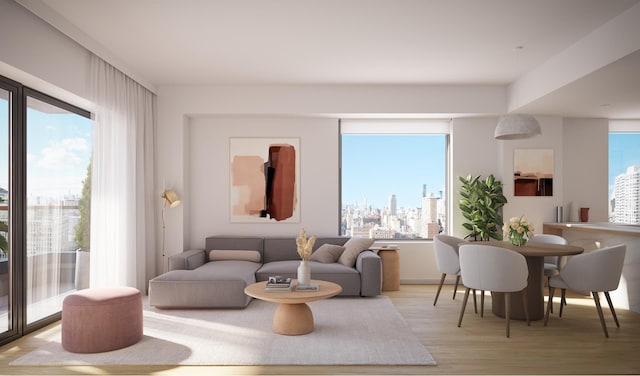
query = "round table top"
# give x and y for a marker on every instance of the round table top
(325, 290)
(538, 249)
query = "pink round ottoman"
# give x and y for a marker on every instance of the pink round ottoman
(101, 319)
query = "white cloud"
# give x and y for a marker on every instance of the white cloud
(63, 154)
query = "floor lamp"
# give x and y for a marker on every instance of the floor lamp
(170, 197)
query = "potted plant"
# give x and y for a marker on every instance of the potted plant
(481, 204)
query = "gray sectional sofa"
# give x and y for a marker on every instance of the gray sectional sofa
(216, 277)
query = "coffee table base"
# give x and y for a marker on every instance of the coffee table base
(293, 319)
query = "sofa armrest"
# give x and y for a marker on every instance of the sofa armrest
(187, 260)
(369, 265)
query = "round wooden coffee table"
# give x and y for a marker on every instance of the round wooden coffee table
(293, 316)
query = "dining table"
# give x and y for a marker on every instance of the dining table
(534, 253)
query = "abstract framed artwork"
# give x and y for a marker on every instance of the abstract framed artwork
(264, 180)
(533, 172)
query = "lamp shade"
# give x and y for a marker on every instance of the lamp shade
(171, 198)
(513, 127)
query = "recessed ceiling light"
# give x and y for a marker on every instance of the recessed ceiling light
(605, 105)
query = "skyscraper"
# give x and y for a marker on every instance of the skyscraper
(393, 206)
(627, 196)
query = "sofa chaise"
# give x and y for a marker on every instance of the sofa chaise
(215, 277)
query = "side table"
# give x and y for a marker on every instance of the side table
(390, 259)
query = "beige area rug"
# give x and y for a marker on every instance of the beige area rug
(348, 331)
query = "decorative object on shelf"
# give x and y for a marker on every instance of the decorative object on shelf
(517, 126)
(481, 204)
(305, 248)
(584, 214)
(518, 231)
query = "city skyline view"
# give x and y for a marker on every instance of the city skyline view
(624, 151)
(403, 164)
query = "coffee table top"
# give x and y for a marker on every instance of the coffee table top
(325, 290)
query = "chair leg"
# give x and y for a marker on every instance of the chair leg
(613, 311)
(464, 305)
(563, 298)
(549, 285)
(596, 298)
(455, 288)
(507, 310)
(475, 302)
(439, 288)
(526, 306)
(549, 303)
(482, 303)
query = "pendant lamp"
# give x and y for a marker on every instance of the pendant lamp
(517, 126)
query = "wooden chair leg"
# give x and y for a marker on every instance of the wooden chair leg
(439, 288)
(482, 303)
(455, 288)
(563, 298)
(613, 311)
(549, 303)
(464, 305)
(507, 310)
(475, 302)
(526, 306)
(596, 299)
(549, 285)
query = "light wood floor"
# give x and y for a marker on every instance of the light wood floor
(573, 344)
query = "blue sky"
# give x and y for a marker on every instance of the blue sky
(377, 166)
(58, 152)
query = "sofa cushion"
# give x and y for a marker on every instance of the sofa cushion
(233, 254)
(353, 247)
(327, 253)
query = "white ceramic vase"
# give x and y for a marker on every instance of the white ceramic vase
(304, 273)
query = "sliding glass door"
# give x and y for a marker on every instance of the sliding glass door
(58, 156)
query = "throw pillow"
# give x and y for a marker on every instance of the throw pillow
(327, 253)
(233, 254)
(353, 247)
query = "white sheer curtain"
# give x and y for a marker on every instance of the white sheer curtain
(122, 183)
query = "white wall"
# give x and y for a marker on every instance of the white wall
(586, 167)
(208, 195)
(536, 209)
(37, 55)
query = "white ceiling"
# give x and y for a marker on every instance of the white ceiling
(408, 42)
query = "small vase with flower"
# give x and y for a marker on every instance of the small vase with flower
(518, 230)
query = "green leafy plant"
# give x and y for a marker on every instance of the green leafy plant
(83, 228)
(481, 204)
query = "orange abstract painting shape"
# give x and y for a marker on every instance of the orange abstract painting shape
(248, 182)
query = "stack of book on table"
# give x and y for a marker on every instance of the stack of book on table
(307, 287)
(278, 283)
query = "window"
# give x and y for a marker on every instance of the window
(624, 172)
(45, 150)
(393, 178)
(59, 144)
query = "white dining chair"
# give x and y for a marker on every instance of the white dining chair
(552, 264)
(596, 271)
(448, 262)
(489, 268)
